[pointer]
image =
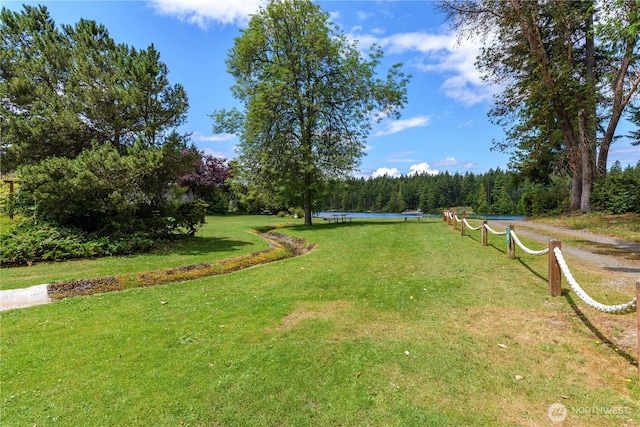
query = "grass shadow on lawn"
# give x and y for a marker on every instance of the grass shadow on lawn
(594, 329)
(197, 245)
(624, 250)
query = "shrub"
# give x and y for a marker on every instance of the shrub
(538, 200)
(103, 186)
(30, 242)
(190, 216)
(618, 192)
(297, 212)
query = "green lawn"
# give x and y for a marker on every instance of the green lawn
(385, 323)
(220, 239)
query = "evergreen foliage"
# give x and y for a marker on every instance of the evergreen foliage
(495, 192)
(89, 127)
(620, 192)
(568, 72)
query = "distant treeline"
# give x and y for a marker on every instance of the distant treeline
(494, 192)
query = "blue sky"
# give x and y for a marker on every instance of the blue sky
(444, 126)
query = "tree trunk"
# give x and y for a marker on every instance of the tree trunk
(530, 29)
(586, 150)
(576, 190)
(575, 162)
(619, 104)
(307, 199)
(591, 120)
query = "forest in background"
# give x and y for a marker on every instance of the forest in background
(494, 192)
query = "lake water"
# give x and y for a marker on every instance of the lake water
(400, 215)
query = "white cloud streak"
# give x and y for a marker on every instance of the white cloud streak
(448, 161)
(220, 137)
(400, 125)
(438, 53)
(204, 12)
(441, 54)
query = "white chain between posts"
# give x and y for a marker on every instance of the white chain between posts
(524, 248)
(629, 307)
(469, 225)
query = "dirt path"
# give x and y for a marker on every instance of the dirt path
(617, 256)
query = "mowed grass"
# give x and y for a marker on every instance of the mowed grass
(385, 323)
(212, 243)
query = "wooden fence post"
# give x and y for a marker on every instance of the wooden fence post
(485, 240)
(511, 245)
(462, 229)
(455, 222)
(555, 275)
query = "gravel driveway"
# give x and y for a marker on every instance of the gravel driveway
(619, 257)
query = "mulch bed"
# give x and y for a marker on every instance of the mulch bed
(71, 288)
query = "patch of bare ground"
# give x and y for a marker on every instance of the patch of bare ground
(536, 333)
(559, 345)
(324, 310)
(610, 268)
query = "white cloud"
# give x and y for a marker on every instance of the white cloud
(422, 169)
(202, 12)
(214, 153)
(400, 125)
(448, 161)
(363, 16)
(220, 137)
(392, 173)
(439, 53)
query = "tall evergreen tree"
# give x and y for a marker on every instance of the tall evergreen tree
(556, 78)
(63, 88)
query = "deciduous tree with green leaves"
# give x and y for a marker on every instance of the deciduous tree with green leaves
(568, 71)
(309, 99)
